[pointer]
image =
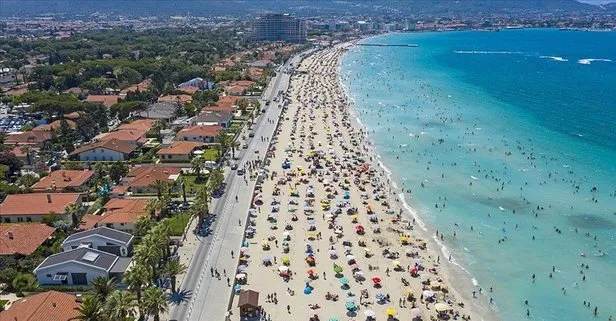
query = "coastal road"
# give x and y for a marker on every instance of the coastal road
(207, 297)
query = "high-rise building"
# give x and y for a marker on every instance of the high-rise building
(278, 27)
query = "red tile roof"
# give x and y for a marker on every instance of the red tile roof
(62, 179)
(48, 306)
(107, 100)
(179, 148)
(142, 86)
(37, 203)
(121, 210)
(139, 124)
(23, 238)
(143, 176)
(89, 221)
(228, 99)
(27, 138)
(54, 125)
(125, 135)
(221, 107)
(242, 83)
(175, 98)
(121, 146)
(200, 130)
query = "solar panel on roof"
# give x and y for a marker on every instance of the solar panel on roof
(90, 256)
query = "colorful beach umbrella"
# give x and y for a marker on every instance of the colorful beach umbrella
(344, 281)
(376, 280)
(390, 311)
(350, 305)
(283, 268)
(242, 268)
(337, 269)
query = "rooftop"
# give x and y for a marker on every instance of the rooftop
(25, 138)
(122, 146)
(139, 124)
(143, 176)
(105, 232)
(201, 130)
(212, 117)
(48, 306)
(56, 124)
(23, 238)
(122, 210)
(61, 179)
(37, 203)
(179, 148)
(107, 100)
(82, 255)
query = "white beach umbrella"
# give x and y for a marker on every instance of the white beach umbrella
(369, 313)
(416, 312)
(283, 268)
(350, 257)
(428, 293)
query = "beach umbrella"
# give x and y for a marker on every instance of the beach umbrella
(237, 288)
(350, 305)
(310, 272)
(334, 319)
(285, 260)
(390, 311)
(428, 293)
(283, 268)
(379, 296)
(337, 269)
(286, 233)
(267, 259)
(416, 312)
(369, 313)
(395, 263)
(242, 268)
(376, 280)
(243, 250)
(240, 276)
(344, 281)
(440, 307)
(350, 257)
(307, 290)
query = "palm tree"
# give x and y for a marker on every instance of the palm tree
(144, 224)
(160, 186)
(26, 150)
(151, 205)
(223, 142)
(120, 306)
(148, 253)
(136, 278)
(73, 210)
(162, 235)
(172, 269)
(201, 204)
(216, 179)
(90, 310)
(103, 287)
(197, 165)
(154, 302)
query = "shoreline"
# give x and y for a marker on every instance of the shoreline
(454, 270)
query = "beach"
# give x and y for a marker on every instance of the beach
(328, 236)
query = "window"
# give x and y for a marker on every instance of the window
(48, 275)
(122, 224)
(109, 225)
(28, 219)
(87, 158)
(102, 150)
(7, 220)
(103, 158)
(20, 219)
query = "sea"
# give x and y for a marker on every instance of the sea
(505, 143)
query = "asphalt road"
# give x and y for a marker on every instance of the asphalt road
(206, 297)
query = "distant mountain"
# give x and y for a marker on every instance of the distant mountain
(386, 8)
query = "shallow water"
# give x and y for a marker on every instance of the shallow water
(508, 132)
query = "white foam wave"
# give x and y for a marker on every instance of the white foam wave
(588, 61)
(555, 58)
(490, 52)
(501, 208)
(475, 178)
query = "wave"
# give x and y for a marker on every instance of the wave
(491, 52)
(588, 61)
(555, 58)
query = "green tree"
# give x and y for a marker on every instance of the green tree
(120, 306)
(160, 186)
(223, 141)
(90, 310)
(24, 282)
(136, 278)
(200, 207)
(216, 179)
(172, 269)
(143, 224)
(103, 287)
(197, 165)
(117, 170)
(154, 302)
(148, 253)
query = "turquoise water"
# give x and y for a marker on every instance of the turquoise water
(512, 134)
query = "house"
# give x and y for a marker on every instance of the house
(160, 110)
(25, 153)
(48, 306)
(181, 98)
(23, 239)
(55, 125)
(118, 191)
(227, 100)
(107, 100)
(121, 214)
(179, 151)
(237, 90)
(248, 302)
(64, 181)
(199, 133)
(103, 239)
(225, 108)
(255, 73)
(260, 63)
(32, 138)
(18, 208)
(80, 267)
(142, 86)
(140, 178)
(213, 118)
(139, 124)
(132, 136)
(106, 150)
(243, 83)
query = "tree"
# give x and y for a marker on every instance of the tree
(154, 302)
(11, 161)
(172, 269)
(90, 310)
(223, 142)
(216, 179)
(160, 186)
(117, 170)
(200, 206)
(136, 278)
(120, 306)
(28, 180)
(148, 253)
(103, 287)
(151, 205)
(24, 282)
(144, 224)
(73, 210)
(197, 165)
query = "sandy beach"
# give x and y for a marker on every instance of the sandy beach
(328, 238)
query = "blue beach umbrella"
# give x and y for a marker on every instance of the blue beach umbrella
(344, 280)
(350, 305)
(307, 290)
(242, 268)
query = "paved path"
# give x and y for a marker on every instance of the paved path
(208, 297)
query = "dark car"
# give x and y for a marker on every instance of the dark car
(234, 166)
(240, 172)
(251, 135)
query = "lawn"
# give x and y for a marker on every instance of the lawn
(3, 303)
(191, 183)
(235, 125)
(178, 223)
(210, 154)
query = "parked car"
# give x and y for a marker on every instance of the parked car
(245, 146)
(240, 172)
(234, 166)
